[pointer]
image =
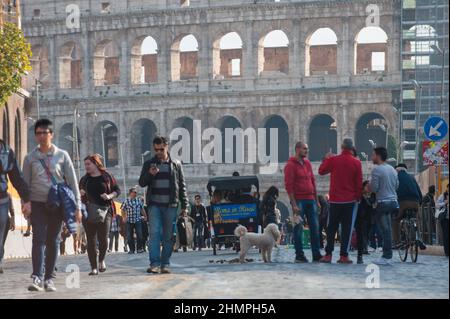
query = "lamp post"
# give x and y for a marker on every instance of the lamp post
(143, 155)
(401, 147)
(417, 86)
(366, 158)
(373, 144)
(103, 128)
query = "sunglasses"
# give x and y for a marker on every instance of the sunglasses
(159, 149)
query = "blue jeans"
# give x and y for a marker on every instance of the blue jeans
(131, 228)
(46, 238)
(308, 209)
(3, 227)
(161, 225)
(383, 217)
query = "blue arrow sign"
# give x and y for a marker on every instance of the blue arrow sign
(435, 128)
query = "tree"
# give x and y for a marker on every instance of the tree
(15, 53)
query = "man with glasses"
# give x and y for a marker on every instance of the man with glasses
(43, 166)
(301, 188)
(166, 191)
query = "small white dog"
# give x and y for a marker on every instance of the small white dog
(265, 241)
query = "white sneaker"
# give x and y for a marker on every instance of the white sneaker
(49, 286)
(382, 261)
(372, 250)
(36, 285)
(380, 249)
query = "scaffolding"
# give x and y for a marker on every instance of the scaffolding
(424, 63)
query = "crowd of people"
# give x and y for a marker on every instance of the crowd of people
(357, 213)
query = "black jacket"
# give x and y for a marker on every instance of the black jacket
(408, 189)
(9, 168)
(178, 193)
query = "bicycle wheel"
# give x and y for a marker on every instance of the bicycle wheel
(414, 248)
(403, 245)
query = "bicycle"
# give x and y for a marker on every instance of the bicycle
(409, 236)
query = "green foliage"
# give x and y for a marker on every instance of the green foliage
(15, 53)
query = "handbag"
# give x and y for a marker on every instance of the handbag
(96, 213)
(53, 202)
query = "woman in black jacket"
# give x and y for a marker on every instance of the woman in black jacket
(268, 206)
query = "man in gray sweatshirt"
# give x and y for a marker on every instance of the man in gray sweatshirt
(384, 183)
(47, 222)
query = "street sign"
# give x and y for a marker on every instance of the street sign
(435, 128)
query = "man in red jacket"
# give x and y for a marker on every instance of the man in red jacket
(345, 193)
(301, 188)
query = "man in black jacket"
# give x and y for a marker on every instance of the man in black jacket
(409, 197)
(9, 169)
(166, 191)
(198, 213)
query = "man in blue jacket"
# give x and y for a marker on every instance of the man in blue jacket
(409, 197)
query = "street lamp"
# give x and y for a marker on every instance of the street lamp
(74, 142)
(441, 52)
(401, 147)
(143, 155)
(103, 128)
(366, 158)
(373, 144)
(417, 86)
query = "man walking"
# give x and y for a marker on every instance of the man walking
(198, 213)
(47, 163)
(166, 191)
(133, 210)
(301, 188)
(384, 183)
(345, 193)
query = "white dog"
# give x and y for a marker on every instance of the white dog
(265, 241)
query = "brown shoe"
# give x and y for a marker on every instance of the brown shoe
(165, 270)
(153, 270)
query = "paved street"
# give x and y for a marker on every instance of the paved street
(200, 275)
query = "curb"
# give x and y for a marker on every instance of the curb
(433, 251)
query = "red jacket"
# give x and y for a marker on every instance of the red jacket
(299, 179)
(346, 177)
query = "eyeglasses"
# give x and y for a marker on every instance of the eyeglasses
(42, 133)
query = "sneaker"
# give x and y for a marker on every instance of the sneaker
(36, 285)
(49, 286)
(130, 252)
(94, 272)
(382, 261)
(109, 251)
(153, 270)
(27, 234)
(326, 259)
(165, 270)
(344, 260)
(140, 251)
(380, 249)
(301, 260)
(421, 245)
(360, 260)
(372, 250)
(102, 267)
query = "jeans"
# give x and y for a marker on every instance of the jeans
(198, 235)
(375, 237)
(288, 240)
(97, 232)
(383, 217)
(344, 215)
(114, 238)
(131, 228)
(161, 228)
(4, 208)
(308, 209)
(46, 225)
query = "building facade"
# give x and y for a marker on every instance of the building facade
(99, 75)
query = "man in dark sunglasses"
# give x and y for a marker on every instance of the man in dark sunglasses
(166, 191)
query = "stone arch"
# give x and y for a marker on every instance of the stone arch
(371, 50)
(40, 65)
(227, 56)
(322, 136)
(70, 66)
(276, 121)
(6, 124)
(106, 142)
(321, 52)
(228, 122)
(144, 60)
(273, 53)
(66, 140)
(106, 63)
(370, 126)
(184, 57)
(186, 152)
(142, 135)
